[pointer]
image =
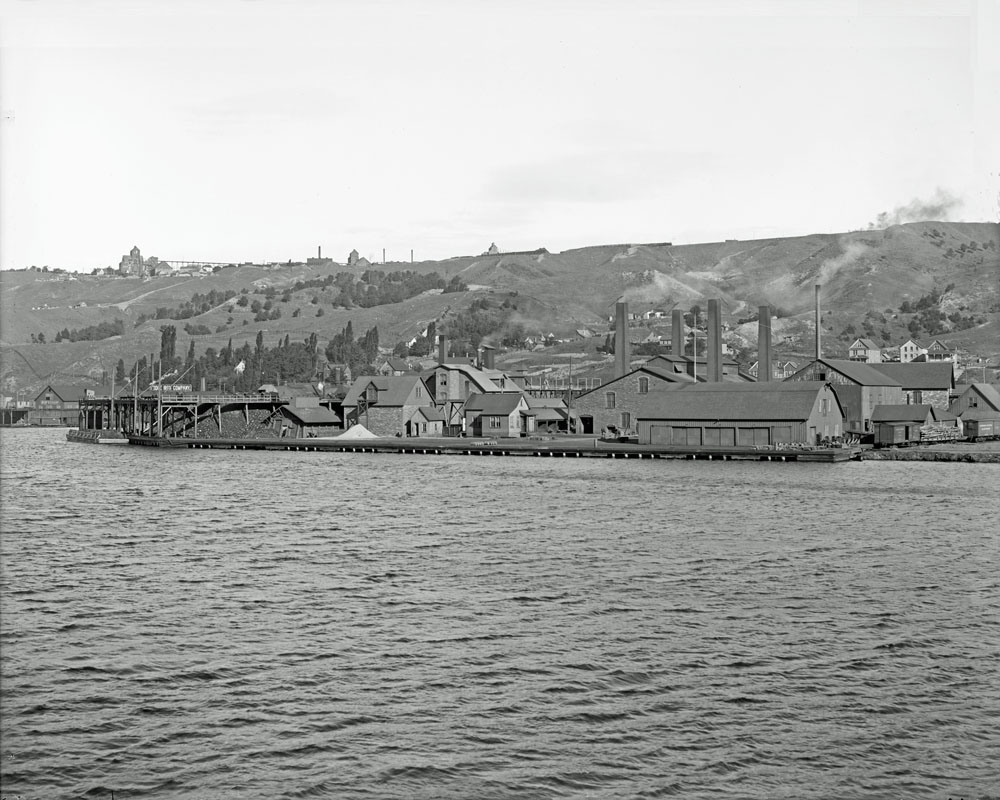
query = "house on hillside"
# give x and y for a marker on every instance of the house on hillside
(741, 415)
(392, 366)
(922, 382)
(385, 404)
(859, 387)
(909, 350)
(865, 350)
(939, 351)
(505, 415)
(616, 402)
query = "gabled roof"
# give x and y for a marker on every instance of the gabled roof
(864, 374)
(500, 403)
(393, 390)
(920, 375)
(867, 344)
(910, 413)
(980, 413)
(987, 392)
(65, 392)
(318, 415)
(429, 413)
(785, 400)
(485, 380)
(397, 364)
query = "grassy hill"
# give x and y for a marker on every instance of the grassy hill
(865, 275)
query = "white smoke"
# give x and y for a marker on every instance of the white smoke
(937, 209)
(829, 268)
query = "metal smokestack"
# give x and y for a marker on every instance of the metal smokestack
(488, 362)
(714, 343)
(442, 349)
(764, 344)
(677, 332)
(621, 340)
(819, 349)
(319, 251)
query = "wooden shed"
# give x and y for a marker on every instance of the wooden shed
(741, 415)
(900, 424)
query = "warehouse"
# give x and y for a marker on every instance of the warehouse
(741, 415)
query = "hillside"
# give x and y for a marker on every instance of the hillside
(865, 275)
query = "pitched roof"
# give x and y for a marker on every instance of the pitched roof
(498, 403)
(865, 374)
(316, 415)
(894, 413)
(716, 401)
(980, 413)
(397, 364)
(393, 390)
(65, 392)
(868, 344)
(988, 392)
(430, 413)
(920, 375)
(485, 380)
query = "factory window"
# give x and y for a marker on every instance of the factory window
(643, 385)
(626, 420)
(609, 399)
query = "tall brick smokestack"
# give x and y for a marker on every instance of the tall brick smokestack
(714, 343)
(677, 332)
(622, 354)
(819, 349)
(764, 371)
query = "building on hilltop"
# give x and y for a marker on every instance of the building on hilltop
(133, 263)
(354, 260)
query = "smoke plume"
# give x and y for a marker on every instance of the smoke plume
(938, 208)
(829, 268)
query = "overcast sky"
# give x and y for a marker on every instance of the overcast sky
(231, 131)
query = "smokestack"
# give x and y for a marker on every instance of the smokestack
(411, 255)
(383, 255)
(714, 343)
(622, 354)
(764, 343)
(819, 350)
(319, 251)
(203, 386)
(488, 356)
(677, 332)
(442, 349)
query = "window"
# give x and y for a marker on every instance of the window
(609, 399)
(626, 420)
(418, 390)
(493, 422)
(643, 385)
(824, 406)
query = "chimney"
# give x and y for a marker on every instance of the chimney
(677, 332)
(764, 343)
(442, 349)
(319, 251)
(819, 350)
(488, 355)
(714, 343)
(622, 354)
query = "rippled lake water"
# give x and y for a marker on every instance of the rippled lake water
(278, 625)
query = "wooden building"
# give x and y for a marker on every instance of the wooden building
(504, 415)
(306, 418)
(983, 396)
(859, 387)
(741, 415)
(59, 404)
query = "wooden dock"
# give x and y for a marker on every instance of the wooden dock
(556, 447)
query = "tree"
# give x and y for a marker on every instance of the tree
(120, 371)
(41, 336)
(168, 345)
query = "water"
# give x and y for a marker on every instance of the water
(278, 625)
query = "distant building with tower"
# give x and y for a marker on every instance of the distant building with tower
(132, 264)
(354, 260)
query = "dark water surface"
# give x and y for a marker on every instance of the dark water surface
(277, 625)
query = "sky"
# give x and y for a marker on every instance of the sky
(261, 130)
